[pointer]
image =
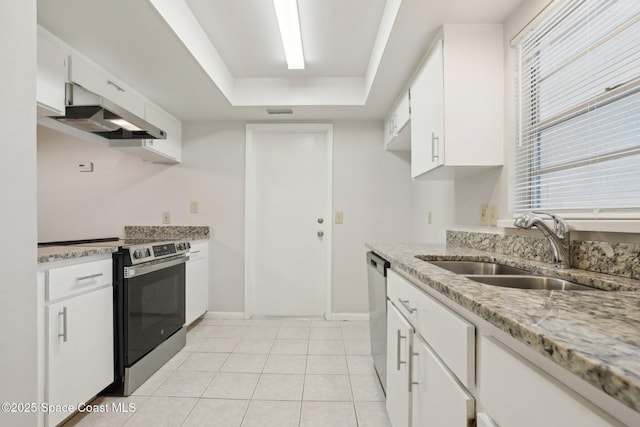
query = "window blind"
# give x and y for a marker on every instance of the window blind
(578, 109)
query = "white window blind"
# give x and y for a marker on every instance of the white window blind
(578, 96)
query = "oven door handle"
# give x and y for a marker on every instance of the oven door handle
(135, 271)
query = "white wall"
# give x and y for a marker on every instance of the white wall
(18, 314)
(435, 198)
(371, 186)
(215, 153)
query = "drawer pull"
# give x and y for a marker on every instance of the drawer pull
(63, 313)
(194, 252)
(109, 82)
(399, 362)
(434, 140)
(91, 276)
(405, 304)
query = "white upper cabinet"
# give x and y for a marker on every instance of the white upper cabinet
(457, 103)
(397, 135)
(52, 75)
(165, 151)
(59, 63)
(93, 78)
(426, 127)
(172, 146)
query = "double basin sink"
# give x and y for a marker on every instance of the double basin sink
(506, 276)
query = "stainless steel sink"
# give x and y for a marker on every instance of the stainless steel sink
(531, 282)
(477, 267)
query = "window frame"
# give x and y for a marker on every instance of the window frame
(532, 155)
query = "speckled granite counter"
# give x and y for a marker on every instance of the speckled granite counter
(594, 335)
(59, 253)
(168, 232)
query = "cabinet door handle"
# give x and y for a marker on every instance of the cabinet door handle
(109, 82)
(399, 362)
(63, 313)
(411, 382)
(434, 152)
(91, 276)
(405, 304)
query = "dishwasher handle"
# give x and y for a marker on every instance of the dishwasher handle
(380, 264)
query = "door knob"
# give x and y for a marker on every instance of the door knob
(320, 220)
(320, 233)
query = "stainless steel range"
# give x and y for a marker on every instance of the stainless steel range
(149, 309)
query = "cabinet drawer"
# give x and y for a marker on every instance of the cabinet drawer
(404, 296)
(450, 336)
(66, 281)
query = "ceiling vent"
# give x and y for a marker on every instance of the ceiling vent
(279, 111)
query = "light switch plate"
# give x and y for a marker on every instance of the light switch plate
(339, 217)
(193, 207)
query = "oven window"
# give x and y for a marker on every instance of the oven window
(156, 309)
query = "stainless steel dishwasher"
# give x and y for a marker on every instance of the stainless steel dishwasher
(377, 277)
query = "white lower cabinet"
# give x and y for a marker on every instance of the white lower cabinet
(422, 390)
(457, 367)
(517, 394)
(79, 335)
(439, 400)
(197, 281)
(399, 343)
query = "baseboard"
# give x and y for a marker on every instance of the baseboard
(232, 315)
(348, 316)
(236, 315)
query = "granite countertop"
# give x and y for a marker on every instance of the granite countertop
(59, 253)
(594, 335)
(167, 232)
(180, 232)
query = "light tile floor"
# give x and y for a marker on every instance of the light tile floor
(262, 372)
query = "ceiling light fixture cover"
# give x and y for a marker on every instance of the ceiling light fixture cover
(289, 23)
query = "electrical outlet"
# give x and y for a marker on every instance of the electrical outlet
(493, 215)
(429, 217)
(193, 207)
(85, 167)
(339, 217)
(166, 218)
(484, 215)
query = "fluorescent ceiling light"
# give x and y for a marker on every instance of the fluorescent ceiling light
(289, 23)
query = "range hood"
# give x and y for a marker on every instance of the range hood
(93, 113)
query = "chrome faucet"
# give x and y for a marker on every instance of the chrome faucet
(558, 237)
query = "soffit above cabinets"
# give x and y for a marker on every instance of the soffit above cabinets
(228, 62)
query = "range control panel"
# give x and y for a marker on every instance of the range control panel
(142, 253)
(164, 249)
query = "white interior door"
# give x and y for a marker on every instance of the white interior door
(288, 220)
